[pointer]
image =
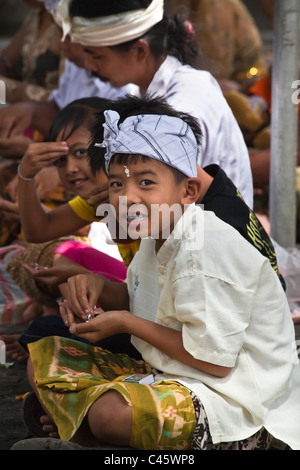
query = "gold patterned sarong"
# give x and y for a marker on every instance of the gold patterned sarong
(71, 375)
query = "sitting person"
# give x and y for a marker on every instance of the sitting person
(218, 194)
(30, 65)
(69, 157)
(161, 62)
(208, 315)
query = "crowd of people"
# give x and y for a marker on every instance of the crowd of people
(157, 314)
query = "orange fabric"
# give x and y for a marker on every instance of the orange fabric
(263, 88)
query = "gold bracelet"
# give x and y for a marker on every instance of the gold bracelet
(23, 177)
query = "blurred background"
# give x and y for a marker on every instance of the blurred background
(12, 13)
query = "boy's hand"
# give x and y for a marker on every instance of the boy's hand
(103, 325)
(40, 155)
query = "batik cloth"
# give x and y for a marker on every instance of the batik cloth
(71, 375)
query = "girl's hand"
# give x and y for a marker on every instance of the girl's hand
(98, 195)
(102, 326)
(84, 291)
(39, 155)
(53, 275)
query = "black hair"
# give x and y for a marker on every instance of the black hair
(96, 8)
(133, 106)
(173, 36)
(76, 113)
(125, 158)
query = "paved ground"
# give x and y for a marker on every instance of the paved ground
(13, 383)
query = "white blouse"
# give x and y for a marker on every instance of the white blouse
(198, 93)
(76, 83)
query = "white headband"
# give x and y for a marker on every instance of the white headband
(164, 138)
(108, 30)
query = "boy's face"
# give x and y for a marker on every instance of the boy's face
(149, 190)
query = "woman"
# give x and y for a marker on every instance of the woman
(138, 44)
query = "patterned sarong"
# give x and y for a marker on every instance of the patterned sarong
(71, 375)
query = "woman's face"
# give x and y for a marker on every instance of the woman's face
(118, 68)
(74, 169)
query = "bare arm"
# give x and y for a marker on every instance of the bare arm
(165, 339)
(16, 118)
(40, 225)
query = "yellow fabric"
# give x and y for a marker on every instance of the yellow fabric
(71, 375)
(83, 209)
(87, 212)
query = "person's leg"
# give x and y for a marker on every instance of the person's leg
(13, 348)
(110, 419)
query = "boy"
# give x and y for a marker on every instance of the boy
(225, 370)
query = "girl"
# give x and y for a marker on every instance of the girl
(67, 150)
(133, 42)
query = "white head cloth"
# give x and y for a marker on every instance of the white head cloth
(164, 138)
(50, 5)
(108, 30)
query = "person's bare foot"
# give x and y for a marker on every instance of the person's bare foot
(13, 348)
(48, 426)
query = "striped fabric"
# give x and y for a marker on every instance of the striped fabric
(12, 298)
(164, 138)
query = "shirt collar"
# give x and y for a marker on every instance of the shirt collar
(183, 231)
(160, 82)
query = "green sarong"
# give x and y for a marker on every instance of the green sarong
(71, 375)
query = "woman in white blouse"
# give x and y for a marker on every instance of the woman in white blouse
(133, 42)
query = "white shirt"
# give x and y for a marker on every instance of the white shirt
(232, 311)
(197, 92)
(76, 83)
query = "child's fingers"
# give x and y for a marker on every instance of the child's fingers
(85, 330)
(81, 299)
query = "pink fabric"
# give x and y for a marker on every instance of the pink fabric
(93, 260)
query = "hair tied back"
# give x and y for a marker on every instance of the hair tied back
(189, 28)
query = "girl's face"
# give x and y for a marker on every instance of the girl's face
(152, 200)
(74, 169)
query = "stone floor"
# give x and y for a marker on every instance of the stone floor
(13, 384)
